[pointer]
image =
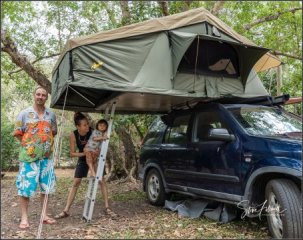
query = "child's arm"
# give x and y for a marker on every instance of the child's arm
(100, 138)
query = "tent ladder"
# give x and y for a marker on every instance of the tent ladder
(94, 182)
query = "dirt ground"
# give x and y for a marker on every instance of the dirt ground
(67, 227)
(137, 218)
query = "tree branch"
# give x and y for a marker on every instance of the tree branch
(217, 7)
(186, 5)
(286, 55)
(137, 128)
(110, 13)
(270, 18)
(33, 62)
(9, 46)
(164, 6)
(125, 13)
(45, 57)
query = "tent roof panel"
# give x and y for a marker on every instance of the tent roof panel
(175, 21)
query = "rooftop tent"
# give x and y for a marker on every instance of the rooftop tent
(150, 67)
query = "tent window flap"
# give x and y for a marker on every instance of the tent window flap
(214, 58)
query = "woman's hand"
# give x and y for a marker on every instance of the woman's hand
(72, 147)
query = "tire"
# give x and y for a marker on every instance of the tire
(154, 188)
(284, 209)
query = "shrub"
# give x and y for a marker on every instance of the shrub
(9, 145)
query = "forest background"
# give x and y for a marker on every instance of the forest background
(33, 34)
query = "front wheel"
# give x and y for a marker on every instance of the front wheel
(284, 209)
(154, 188)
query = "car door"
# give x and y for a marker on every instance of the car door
(174, 153)
(214, 164)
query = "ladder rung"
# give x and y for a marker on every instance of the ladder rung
(89, 198)
(94, 182)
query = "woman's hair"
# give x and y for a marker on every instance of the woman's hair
(78, 116)
(102, 121)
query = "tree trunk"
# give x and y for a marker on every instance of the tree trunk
(137, 129)
(9, 46)
(110, 13)
(217, 7)
(110, 164)
(186, 6)
(130, 163)
(164, 6)
(126, 17)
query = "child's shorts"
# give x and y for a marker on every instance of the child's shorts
(30, 174)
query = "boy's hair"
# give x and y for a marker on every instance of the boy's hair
(102, 121)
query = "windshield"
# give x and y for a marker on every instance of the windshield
(264, 121)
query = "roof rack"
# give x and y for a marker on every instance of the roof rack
(262, 100)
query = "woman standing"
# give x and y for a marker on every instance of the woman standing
(78, 139)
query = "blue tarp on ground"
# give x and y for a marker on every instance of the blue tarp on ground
(195, 208)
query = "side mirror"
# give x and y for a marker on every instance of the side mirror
(220, 134)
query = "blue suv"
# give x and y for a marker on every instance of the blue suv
(243, 154)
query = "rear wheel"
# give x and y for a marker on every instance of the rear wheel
(154, 188)
(284, 209)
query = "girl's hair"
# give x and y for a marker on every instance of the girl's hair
(102, 121)
(78, 116)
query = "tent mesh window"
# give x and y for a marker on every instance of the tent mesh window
(214, 59)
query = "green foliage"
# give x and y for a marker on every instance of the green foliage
(10, 10)
(283, 34)
(143, 10)
(136, 124)
(9, 144)
(64, 151)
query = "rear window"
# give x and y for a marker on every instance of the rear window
(155, 133)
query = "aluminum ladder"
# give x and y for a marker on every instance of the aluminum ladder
(90, 197)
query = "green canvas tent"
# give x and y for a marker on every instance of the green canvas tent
(152, 66)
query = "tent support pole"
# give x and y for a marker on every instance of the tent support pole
(82, 96)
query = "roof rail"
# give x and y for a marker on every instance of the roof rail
(262, 100)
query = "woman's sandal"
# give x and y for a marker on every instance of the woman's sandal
(63, 214)
(109, 212)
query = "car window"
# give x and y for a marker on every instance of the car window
(265, 121)
(178, 132)
(155, 133)
(204, 122)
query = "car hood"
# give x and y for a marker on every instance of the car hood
(283, 147)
